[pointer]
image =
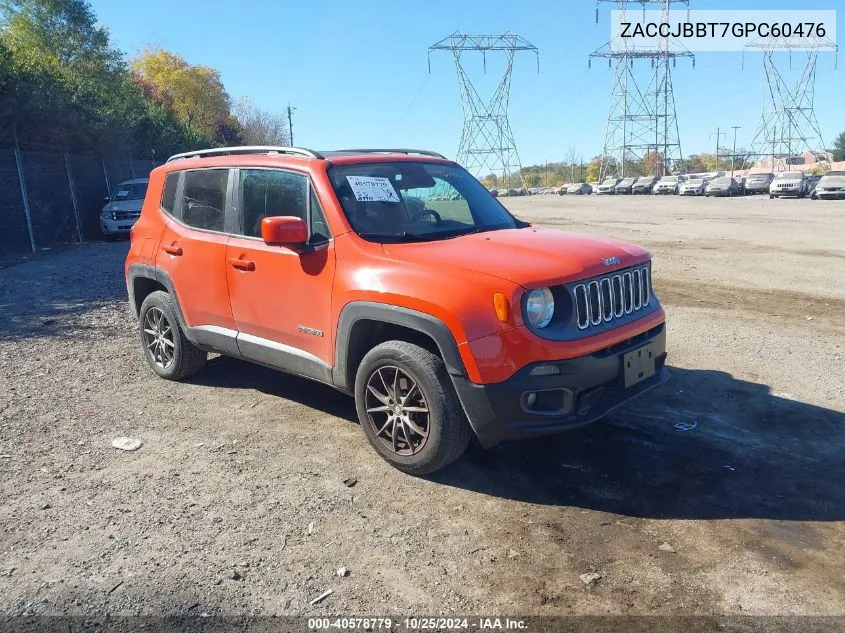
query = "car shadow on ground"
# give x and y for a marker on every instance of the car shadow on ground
(751, 454)
(225, 371)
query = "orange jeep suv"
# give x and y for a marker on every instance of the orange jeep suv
(396, 277)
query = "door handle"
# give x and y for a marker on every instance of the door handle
(172, 250)
(242, 264)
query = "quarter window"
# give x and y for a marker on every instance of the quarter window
(204, 199)
(168, 198)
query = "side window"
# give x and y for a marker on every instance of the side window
(168, 197)
(319, 227)
(204, 198)
(269, 192)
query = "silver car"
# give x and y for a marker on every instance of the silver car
(831, 187)
(693, 187)
(789, 183)
(724, 186)
(608, 186)
(758, 183)
(579, 189)
(123, 207)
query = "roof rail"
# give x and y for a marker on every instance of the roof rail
(247, 149)
(421, 152)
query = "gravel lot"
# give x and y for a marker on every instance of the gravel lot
(236, 503)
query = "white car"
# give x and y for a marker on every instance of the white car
(789, 183)
(123, 207)
(667, 184)
(831, 186)
(608, 186)
(693, 187)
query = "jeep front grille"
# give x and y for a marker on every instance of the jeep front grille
(612, 297)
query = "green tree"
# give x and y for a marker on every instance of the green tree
(839, 147)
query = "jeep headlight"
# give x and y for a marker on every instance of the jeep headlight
(539, 307)
(106, 214)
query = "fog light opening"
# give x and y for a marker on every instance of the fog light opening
(531, 400)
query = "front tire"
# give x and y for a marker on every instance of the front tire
(408, 408)
(166, 349)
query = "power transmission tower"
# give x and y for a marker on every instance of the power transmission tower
(641, 120)
(487, 144)
(788, 125)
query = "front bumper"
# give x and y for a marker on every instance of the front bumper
(587, 388)
(830, 195)
(116, 227)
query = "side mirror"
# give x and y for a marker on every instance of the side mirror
(106, 200)
(284, 229)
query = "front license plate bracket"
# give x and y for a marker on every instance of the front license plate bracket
(638, 365)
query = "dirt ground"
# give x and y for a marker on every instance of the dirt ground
(236, 503)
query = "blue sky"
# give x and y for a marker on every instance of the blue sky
(357, 71)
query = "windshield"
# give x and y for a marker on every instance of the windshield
(416, 201)
(695, 183)
(789, 175)
(609, 181)
(669, 179)
(129, 191)
(645, 179)
(756, 177)
(721, 181)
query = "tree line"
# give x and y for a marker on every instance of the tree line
(63, 84)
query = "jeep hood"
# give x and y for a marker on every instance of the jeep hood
(529, 257)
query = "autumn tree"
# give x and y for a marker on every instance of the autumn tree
(594, 168)
(194, 93)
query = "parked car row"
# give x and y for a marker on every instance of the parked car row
(789, 183)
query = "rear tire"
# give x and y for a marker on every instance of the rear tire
(408, 408)
(166, 349)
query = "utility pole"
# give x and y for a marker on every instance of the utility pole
(290, 121)
(719, 135)
(733, 153)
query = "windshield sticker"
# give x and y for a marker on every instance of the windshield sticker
(122, 193)
(372, 189)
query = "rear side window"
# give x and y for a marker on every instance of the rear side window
(204, 199)
(270, 192)
(168, 197)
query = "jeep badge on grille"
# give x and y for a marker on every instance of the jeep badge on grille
(610, 261)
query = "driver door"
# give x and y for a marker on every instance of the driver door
(280, 296)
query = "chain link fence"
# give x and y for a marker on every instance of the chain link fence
(49, 198)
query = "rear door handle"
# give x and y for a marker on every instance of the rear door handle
(242, 264)
(172, 250)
